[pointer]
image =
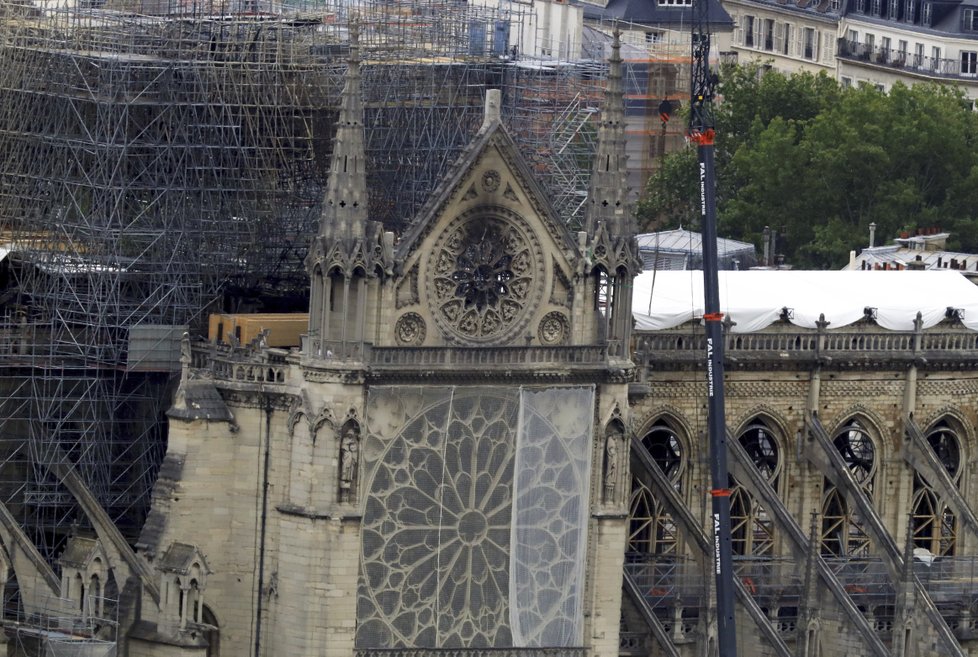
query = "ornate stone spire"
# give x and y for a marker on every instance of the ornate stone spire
(608, 189)
(344, 213)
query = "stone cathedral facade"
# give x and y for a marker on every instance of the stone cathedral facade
(443, 464)
(474, 450)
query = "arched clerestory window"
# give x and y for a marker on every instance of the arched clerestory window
(843, 533)
(935, 527)
(652, 530)
(751, 526)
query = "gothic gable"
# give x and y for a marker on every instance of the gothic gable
(488, 262)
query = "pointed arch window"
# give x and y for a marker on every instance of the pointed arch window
(651, 528)
(762, 447)
(934, 525)
(667, 451)
(843, 532)
(751, 529)
(751, 526)
(858, 452)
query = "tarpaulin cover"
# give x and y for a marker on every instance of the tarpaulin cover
(756, 299)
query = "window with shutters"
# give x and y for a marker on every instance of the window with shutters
(810, 43)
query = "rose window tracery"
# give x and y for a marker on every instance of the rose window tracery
(475, 513)
(436, 529)
(484, 276)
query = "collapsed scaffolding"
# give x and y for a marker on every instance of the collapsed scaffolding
(164, 160)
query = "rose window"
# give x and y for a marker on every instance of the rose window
(476, 514)
(436, 530)
(483, 273)
(483, 276)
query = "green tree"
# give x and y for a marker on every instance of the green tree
(820, 163)
(671, 195)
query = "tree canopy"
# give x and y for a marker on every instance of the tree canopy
(818, 163)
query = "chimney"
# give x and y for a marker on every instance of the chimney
(872, 234)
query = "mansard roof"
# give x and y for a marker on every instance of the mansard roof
(654, 14)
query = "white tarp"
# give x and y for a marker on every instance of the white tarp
(756, 299)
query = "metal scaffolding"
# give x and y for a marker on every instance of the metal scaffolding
(164, 160)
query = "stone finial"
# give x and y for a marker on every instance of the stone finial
(493, 110)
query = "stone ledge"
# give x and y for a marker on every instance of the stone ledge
(316, 514)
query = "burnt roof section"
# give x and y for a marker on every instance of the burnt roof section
(652, 14)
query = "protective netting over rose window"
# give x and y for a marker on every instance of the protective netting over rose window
(475, 517)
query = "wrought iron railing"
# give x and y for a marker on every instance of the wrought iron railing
(904, 61)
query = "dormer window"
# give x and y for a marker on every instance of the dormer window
(911, 10)
(928, 13)
(969, 21)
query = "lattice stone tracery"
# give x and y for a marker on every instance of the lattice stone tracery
(485, 274)
(447, 525)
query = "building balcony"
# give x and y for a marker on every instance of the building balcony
(903, 62)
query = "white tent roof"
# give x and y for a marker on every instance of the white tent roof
(756, 299)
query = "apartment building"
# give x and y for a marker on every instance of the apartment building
(885, 41)
(877, 42)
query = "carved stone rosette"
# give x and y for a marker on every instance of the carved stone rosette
(410, 330)
(554, 329)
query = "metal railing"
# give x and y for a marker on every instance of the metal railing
(903, 61)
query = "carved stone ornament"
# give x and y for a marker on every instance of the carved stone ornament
(485, 276)
(490, 180)
(554, 329)
(410, 330)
